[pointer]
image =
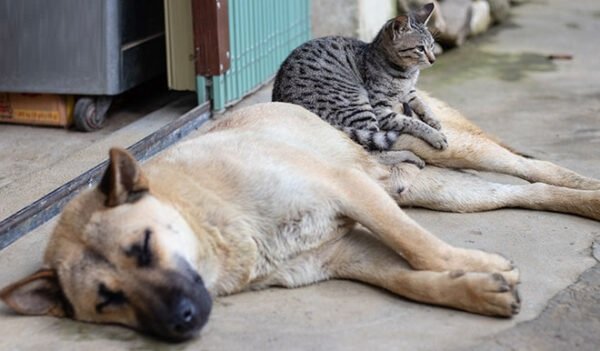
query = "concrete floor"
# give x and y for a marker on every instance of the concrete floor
(37, 160)
(504, 82)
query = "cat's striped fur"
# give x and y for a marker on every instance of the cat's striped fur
(356, 86)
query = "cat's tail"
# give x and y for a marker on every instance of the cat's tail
(372, 140)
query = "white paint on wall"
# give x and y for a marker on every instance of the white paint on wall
(372, 14)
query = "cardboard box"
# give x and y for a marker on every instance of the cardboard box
(38, 109)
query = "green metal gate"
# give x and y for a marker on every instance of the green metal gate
(261, 35)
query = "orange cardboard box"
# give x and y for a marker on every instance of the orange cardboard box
(38, 109)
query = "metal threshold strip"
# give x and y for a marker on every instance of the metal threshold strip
(48, 206)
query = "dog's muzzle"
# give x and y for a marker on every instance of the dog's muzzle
(176, 311)
(188, 316)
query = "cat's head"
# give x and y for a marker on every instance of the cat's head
(406, 41)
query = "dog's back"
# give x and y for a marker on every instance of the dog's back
(276, 125)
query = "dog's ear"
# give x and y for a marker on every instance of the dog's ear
(37, 294)
(123, 181)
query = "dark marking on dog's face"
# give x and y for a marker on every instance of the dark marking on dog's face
(119, 262)
(167, 299)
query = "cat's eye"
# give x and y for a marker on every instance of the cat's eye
(420, 48)
(109, 297)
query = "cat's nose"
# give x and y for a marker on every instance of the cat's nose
(430, 56)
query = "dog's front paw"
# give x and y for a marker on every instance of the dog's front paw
(479, 261)
(485, 293)
(458, 259)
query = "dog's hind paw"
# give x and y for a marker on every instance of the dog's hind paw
(395, 157)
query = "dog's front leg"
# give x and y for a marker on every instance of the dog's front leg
(360, 257)
(366, 202)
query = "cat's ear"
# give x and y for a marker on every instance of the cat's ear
(400, 24)
(423, 14)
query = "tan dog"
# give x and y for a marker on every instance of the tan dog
(271, 195)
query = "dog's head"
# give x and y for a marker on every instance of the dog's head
(119, 255)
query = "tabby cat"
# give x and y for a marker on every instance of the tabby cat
(356, 86)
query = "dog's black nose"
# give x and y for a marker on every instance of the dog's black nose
(181, 308)
(184, 317)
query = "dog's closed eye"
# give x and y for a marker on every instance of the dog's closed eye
(109, 297)
(142, 252)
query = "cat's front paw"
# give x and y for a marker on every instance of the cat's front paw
(429, 119)
(437, 140)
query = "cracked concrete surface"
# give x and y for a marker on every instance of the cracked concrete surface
(504, 83)
(571, 321)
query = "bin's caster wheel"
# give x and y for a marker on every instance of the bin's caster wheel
(89, 113)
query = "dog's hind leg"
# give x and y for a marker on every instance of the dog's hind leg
(366, 202)
(471, 148)
(450, 190)
(360, 257)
